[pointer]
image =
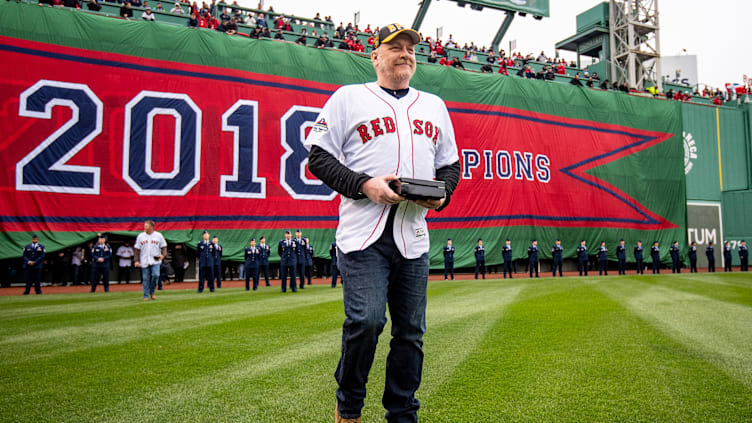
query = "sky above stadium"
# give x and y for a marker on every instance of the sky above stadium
(714, 31)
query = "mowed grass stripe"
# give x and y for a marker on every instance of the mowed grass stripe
(733, 288)
(128, 306)
(274, 391)
(76, 337)
(86, 384)
(566, 352)
(108, 362)
(720, 331)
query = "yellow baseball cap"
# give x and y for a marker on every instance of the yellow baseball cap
(388, 32)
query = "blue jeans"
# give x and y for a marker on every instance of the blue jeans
(372, 278)
(149, 277)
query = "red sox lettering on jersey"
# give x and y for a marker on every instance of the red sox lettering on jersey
(385, 125)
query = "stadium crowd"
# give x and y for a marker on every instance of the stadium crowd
(270, 24)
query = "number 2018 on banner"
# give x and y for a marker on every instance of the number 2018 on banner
(45, 168)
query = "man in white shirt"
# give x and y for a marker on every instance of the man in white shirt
(177, 9)
(125, 256)
(150, 250)
(366, 136)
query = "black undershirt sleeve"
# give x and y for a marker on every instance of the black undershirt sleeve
(335, 175)
(450, 174)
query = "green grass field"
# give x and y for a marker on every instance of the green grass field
(626, 349)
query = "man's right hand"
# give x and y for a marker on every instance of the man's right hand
(137, 264)
(377, 190)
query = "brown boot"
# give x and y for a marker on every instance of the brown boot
(340, 419)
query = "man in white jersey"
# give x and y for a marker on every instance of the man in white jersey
(125, 256)
(150, 250)
(366, 136)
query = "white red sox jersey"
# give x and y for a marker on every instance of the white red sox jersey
(372, 132)
(150, 246)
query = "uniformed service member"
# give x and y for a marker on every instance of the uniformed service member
(675, 263)
(655, 255)
(638, 256)
(506, 252)
(556, 253)
(308, 257)
(480, 259)
(727, 257)
(693, 257)
(603, 259)
(449, 259)
(252, 256)
(744, 255)
(264, 252)
(300, 257)
(621, 256)
(710, 254)
(288, 261)
(100, 267)
(33, 255)
(205, 255)
(217, 271)
(582, 258)
(335, 269)
(532, 257)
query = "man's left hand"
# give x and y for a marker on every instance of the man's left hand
(430, 204)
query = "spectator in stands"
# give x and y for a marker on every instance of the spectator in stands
(229, 27)
(261, 21)
(457, 63)
(549, 75)
(177, 9)
(604, 85)
(248, 19)
(126, 11)
(323, 41)
(359, 47)
(225, 15)
(432, 58)
(443, 61)
(624, 88)
(302, 39)
(370, 40)
(94, 6)
(576, 80)
(491, 58)
(194, 9)
(541, 74)
(72, 3)
(212, 22)
(670, 94)
(193, 21)
(278, 35)
(368, 29)
(256, 33)
(542, 57)
(718, 99)
(147, 15)
(136, 3)
(450, 42)
(486, 68)
(343, 45)
(266, 33)
(503, 68)
(159, 7)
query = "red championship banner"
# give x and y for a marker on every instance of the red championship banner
(96, 140)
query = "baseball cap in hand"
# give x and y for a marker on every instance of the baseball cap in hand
(388, 32)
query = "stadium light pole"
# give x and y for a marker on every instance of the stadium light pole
(424, 5)
(502, 30)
